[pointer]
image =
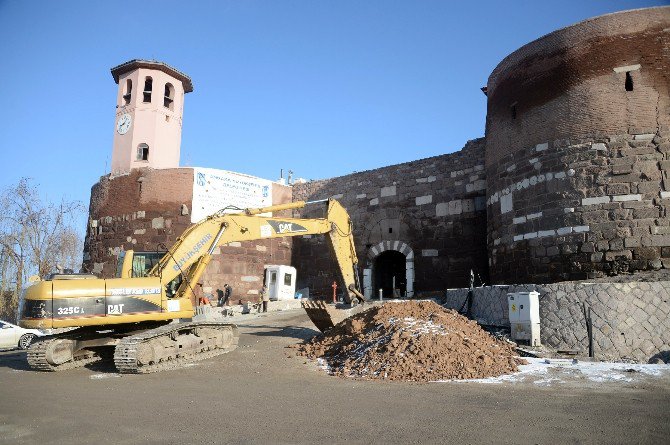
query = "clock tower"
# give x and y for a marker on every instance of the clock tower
(149, 110)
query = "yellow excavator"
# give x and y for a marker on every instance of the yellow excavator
(135, 318)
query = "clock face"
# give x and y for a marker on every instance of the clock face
(123, 125)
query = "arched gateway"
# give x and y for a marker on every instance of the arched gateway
(389, 263)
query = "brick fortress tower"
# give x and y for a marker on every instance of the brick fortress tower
(148, 200)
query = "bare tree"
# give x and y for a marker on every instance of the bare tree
(35, 237)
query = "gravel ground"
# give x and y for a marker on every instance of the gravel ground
(263, 393)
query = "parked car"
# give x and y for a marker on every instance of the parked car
(12, 336)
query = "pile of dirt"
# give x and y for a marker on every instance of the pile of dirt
(413, 340)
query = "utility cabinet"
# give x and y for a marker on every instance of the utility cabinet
(524, 316)
(280, 281)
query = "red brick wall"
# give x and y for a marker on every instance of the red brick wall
(564, 84)
(123, 216)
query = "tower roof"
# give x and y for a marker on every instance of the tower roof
(154, 65)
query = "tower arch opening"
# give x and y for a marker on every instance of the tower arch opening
(143, 152)
(128, 92)
(168, 98)
(148, 87)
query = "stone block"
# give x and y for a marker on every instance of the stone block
(388, 191)
(625, 198)
(632, 242)
(595, 216)
(596, 200)
(542, 147)
(534, 215)
(580, 229)
(647, 253)
(374, 201)
(140, 231)
(616, 244)
(506, 203)
(441, 209)
(597, 257)
(250, 278)
(422, 200)
(429, 252)
(622, 169)
(660, 230)
(361, 196)
(618, 189)
(545, 233)
(455, 207)
(563, 231)
(552, 251)
(158, 223)
(648, 187)
(519, 220)
(656, 240)
(652, 212)
(599, 147)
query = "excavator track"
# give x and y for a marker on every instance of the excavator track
(44, 355)
(174, 346)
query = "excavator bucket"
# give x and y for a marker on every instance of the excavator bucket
(325, 315)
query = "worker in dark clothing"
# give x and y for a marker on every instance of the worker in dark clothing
(227, 293)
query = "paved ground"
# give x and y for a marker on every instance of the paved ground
(257, 394)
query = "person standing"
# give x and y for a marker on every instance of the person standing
(265, 298)
(227, 293)
(200, 295)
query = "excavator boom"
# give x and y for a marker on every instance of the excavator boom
(131, 313)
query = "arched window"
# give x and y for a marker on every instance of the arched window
(128, 92)
(168, 100)
(148, 86)
(143, 152)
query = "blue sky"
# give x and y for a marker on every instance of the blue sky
(324, 88)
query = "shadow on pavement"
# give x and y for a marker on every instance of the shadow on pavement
(14, 360)
(283, 331)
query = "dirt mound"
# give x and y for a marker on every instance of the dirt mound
(414, 340)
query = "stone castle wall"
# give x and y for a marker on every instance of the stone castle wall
(577, 151)
(147, 210)
(431, 210)
(630, 319)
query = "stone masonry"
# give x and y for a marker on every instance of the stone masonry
(577, 134)
(580, 209)
(631, 320)
(431, 210)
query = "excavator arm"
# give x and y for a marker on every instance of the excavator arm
(193, 250)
